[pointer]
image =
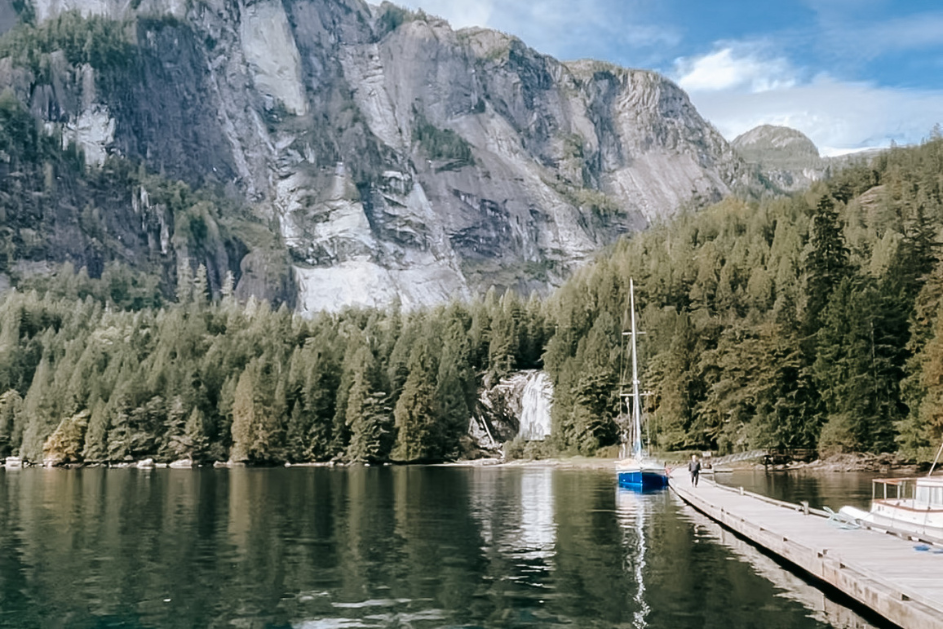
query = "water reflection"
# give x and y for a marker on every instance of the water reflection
(788, 584)
(417, 547)
(535, 537)
(821, 489)
(630, 510)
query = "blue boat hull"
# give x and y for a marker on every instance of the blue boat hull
(643, 480)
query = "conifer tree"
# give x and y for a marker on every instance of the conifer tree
(39, 411)
(415, 410)
(64, 445)
(95, 449)
(455, 389)
(196, 438)
(257, 428)
(827, 261)
(10, 422)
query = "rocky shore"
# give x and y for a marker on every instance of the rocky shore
(854, 462)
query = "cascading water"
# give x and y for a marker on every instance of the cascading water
(536, 401)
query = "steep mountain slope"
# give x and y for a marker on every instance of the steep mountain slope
(393, 156)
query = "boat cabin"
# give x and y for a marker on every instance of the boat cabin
(922, 493)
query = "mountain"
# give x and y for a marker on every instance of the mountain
(787, 157)
(789, 160)
(384, 154)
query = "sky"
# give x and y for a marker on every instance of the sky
(850, 74)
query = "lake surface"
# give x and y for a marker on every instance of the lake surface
(406, 547)
(821, 489)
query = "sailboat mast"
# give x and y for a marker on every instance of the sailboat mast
(636, 413)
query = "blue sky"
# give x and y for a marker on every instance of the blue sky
(850, 74)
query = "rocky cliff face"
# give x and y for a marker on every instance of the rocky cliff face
(393, 155)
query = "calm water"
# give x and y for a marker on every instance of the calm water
(833, 490)
(417, 547)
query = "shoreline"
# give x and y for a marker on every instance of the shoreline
(884, 463)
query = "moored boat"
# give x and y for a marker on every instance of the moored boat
(909, 505)
(635, 469)
(644, 475)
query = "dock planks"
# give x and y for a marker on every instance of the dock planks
(881, 571)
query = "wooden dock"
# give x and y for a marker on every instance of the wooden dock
(884, 572)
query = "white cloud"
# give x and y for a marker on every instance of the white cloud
(734, 67)
(837, 116)
(739, 86)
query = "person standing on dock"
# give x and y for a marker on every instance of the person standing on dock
(695, 468)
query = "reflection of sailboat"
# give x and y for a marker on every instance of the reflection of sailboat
(637, 471)
(631, 514)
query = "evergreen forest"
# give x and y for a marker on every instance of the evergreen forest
(810, 320)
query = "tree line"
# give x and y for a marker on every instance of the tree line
(221, 380)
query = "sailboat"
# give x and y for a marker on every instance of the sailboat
(634, 468)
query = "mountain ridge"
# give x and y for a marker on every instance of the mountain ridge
(394, 157)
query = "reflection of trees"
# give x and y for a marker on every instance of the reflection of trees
(93, 544)
(829, 489)
(591, 581)
(255, 548)
(440, 542)
(692, 576)
(789, 585)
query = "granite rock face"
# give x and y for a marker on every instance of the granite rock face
(394, 156)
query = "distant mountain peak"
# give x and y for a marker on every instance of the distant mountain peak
(785, 156)
(777, 138)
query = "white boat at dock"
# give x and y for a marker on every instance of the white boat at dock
(908, 505)
(913, 506)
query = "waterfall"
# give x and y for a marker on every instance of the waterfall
(517, 406)
(536, 402)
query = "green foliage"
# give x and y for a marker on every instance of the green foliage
(223, 380)
(587, 199)
(827, 262)
(415, 409)
(392, 17)
(65, 444)
(95, 40)
(10, 429)
(442, 144)
(25, 11)
(800, 322)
